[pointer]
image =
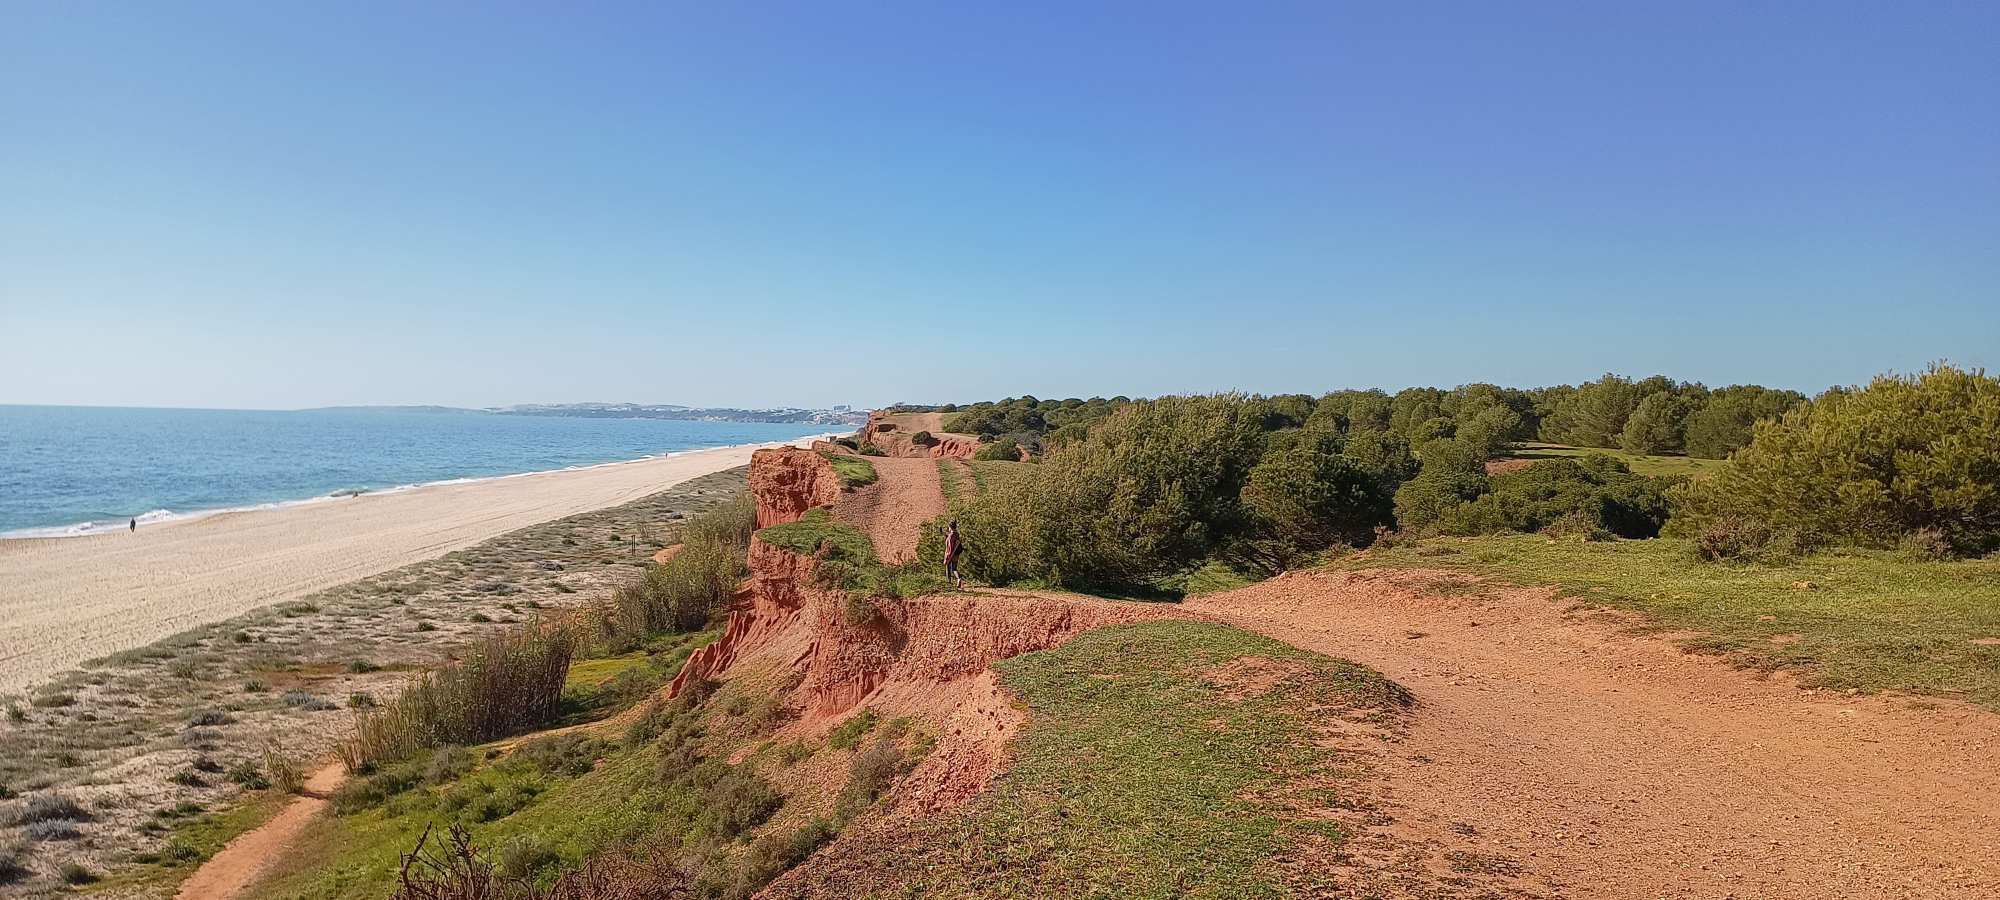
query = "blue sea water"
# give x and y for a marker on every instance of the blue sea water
(74, 470)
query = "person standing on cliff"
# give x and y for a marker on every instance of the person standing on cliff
(951, 550)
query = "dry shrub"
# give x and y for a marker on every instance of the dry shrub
(452, 869)
(512, 682)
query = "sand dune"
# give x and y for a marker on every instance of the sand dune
(65, 600)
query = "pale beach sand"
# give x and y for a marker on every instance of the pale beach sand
(66, 600)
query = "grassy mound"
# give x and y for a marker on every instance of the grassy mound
(1160, 759)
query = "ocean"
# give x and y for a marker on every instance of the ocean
(68, 470)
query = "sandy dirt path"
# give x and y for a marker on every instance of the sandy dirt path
(893, 510)
(1607, 764)
(238, 863)
(65, 600)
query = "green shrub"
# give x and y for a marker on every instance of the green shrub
(1307, 494)
(848, 735)
(524, 856)
(735, 802)
(1453, 473)
(924, 439)
(872, 450)
(1869, 466)
(1596, 488)
(567, 755)
(1152, 491)
(1003, 449)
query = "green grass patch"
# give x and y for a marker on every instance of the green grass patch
(1638, 463)
(1215, 577)
(817, 529)
(1145, 771)
(1869, 620)
(948, 479)
(854, 471)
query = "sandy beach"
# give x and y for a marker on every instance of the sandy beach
(66, 600)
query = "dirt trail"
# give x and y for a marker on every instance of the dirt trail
(906, 494)
(1607, 764)
(230, 871)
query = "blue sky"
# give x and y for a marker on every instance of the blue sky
(277, 205)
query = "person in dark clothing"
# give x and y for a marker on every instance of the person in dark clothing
(135, 524)
(952, 547)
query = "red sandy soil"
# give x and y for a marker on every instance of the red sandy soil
(1503, 466)
(232, 869)
(892, 511)
(1609, 764)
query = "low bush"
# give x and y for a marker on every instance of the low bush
(1002, 449)
(1740, 538)
(1595, 489)
(447, 764)
(869, 776)
(924, 439)
(13, 861)
(563, 754)
(52, 806)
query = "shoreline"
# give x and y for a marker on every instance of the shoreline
(157, 517)
(67, 600)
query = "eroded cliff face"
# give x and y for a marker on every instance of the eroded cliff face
(788, 481)
(892, 440)
(926, 657)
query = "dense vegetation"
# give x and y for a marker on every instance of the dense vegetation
(1159, 488)
(1906, 460)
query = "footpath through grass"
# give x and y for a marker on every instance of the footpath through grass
(1869, 620)
(1160, 759)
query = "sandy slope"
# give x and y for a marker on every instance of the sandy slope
(1606, 764)
(65, 600)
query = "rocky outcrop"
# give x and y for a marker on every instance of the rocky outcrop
(787, 481)
(895, 440)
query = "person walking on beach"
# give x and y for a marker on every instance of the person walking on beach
(951, 551)
(135, 525)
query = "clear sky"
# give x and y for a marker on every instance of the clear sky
(296, 204)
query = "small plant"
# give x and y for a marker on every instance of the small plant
(360, 700)
(202, 763)
(53, 700)
(362, 667)
(241, 637)
(188, 778)
(48, 807)
(284, 771)
(13, 864)
(447, 764)
(246, 773)
(15, 713)
(848, 735)
(51, 831)
(211, 718)
(75, 874)
(253, 686)
(426, 625)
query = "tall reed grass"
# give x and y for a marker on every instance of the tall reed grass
(512, 682)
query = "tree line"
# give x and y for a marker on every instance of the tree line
(1157, 487)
